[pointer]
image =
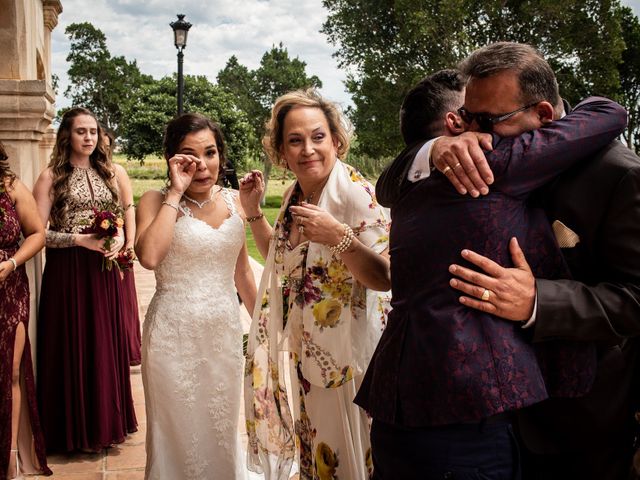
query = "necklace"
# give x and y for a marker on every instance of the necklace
(310, 197)
(204, 202)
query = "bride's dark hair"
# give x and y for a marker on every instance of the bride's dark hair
(178, 128)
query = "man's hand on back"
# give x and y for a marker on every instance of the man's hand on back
(462, 161)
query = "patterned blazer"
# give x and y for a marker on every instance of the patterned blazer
(439, 362)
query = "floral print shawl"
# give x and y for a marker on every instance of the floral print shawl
(341, 320)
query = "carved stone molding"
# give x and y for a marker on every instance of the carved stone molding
(51, 9)
(26, 109)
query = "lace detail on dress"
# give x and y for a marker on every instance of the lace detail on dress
(86, 191)
(192, 351)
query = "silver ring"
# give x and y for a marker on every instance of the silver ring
(446, 169)
(301, 228)
(485, 295)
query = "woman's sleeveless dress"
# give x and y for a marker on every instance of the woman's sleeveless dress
(84, 390)
(14, 308)
(192, 361)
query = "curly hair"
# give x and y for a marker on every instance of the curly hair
(5, 171)
(61, 168)
(339, 126)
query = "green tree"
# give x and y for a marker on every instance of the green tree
(153, 104)
(255, 91)
(630, 76)
(99, 81)
(386, 46)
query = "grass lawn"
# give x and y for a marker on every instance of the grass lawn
(151, 175)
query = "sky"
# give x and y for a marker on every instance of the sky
(139, 30)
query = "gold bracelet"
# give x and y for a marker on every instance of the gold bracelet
(256, 217)
(172, 205)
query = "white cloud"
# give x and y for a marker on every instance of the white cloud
(140, 30)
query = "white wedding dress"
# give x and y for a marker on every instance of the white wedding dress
(192, 358)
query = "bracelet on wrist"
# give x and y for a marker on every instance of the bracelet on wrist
(15, 264)
(346, 241)
(172, 205)
(255, 217)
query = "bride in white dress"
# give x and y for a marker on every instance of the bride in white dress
(192, 235)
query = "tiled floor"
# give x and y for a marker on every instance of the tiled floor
(125, 461)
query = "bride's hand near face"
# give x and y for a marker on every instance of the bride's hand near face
(251, 191)
(181, 170)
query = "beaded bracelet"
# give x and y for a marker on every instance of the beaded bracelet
(172, 205)
(346, 241)
(256, 217)
(15, 264)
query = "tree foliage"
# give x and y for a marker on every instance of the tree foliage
(386, 46)
(630, 76)
(99, 81)
(153, 105)
(255, 91)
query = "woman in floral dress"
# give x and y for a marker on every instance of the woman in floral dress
(322, 310)
(21, 443)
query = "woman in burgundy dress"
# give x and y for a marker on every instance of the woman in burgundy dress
(129, 295)
(21, 443)
(84, 390)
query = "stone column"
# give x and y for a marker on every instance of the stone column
(27, 100)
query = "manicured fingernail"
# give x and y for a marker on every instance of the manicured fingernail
(453, 282)
(452, 268)
(484, 190)
(475, 193)
(465, 253)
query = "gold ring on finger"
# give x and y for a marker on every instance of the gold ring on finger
(485, 295)
(446, 169)
(456, 165)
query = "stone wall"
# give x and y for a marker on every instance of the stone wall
(27, 99)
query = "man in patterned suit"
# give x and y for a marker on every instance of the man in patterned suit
(595, 211)
(444, 378)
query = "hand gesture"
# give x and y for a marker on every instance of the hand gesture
(181, 170)
(317, 224)
(6, 268)
(116, 244)
(251, 192)
(462, 161)
(508, 293)
(90, 242)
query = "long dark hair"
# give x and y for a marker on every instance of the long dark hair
(61, 168)
(178, 128)
(5, 171)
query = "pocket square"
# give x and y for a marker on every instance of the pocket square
(566, 237)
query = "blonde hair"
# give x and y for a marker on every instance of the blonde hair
(339, 126)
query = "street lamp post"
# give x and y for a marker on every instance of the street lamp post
(180, 31)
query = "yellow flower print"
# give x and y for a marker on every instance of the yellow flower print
(326, 462)
(327, 312)
(258, 378)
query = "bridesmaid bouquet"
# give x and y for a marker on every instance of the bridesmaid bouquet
(125, 259)
(105, 225)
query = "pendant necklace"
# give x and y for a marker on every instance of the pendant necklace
(204, 202)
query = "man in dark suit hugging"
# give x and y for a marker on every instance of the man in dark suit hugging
(594, 208)
(445, 379)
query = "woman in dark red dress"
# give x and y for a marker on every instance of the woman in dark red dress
(21, 443)
(129, 295)
(84, 390)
